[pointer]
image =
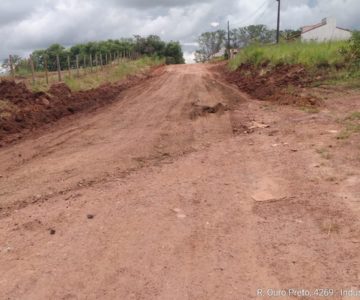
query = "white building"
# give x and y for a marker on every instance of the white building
(325, 31)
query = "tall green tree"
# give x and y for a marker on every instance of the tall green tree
(174, 53)
(151, 45)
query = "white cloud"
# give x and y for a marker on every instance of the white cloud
(189, 57)
(30, 24)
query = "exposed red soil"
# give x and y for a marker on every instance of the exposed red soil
(32, 110)
(284, 84)
(137, 200)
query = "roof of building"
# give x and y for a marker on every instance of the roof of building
(311, 27)
(308, 28)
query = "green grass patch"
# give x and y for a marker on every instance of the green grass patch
(307, 54)
(347, 78)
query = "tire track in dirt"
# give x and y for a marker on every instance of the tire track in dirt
(182, 208)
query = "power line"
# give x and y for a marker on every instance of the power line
(263, 13)
(261, 9)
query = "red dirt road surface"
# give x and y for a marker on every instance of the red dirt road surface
(183, 188)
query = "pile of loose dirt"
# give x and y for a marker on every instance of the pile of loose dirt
(17, 93)
(22, 111)
(202, 110)
(284, 84)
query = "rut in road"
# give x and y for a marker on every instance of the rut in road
(183, 205)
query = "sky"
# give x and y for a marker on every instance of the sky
(26, 25)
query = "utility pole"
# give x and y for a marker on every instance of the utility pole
(278, 24)
(228, 40)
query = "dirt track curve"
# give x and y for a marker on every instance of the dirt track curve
(159, 196)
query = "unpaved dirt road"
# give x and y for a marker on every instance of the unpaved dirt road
(158, 196)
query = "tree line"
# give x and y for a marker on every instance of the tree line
(151, 45)
(212, 42)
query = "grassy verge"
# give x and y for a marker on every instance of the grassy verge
(326, 59)
(88, 80)
(309, 55)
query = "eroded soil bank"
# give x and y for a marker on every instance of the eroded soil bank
(22, 111)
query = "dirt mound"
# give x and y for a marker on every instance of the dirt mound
(60, 90)
(202, 110)
(22, 111)
(16, 93)
(284, 84)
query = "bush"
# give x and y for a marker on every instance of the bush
(352, 49)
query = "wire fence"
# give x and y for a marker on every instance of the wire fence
(54, 68)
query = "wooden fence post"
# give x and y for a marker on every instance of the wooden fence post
(69, 66)
(106, 58)
(46, 69)
(11, 63)
(58, 67)
(84, 66)
(101, 61)
(91, 63)
(32, 69)
(77, 66)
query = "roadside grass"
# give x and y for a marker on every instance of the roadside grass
(352, 125)
(310, 55)
(349, 79)
(89, 80)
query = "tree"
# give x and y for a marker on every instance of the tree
(209, 43)
(174, 53)
(16, 60)
(244, 36)
(151, 45)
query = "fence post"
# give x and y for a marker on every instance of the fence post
(11, 66)
(106, 59)
(58, 66)
(32, 69)
(91, 63)
(77, 66)
(101, 61)
(46, 69)
(84, 66)
(69, 66)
